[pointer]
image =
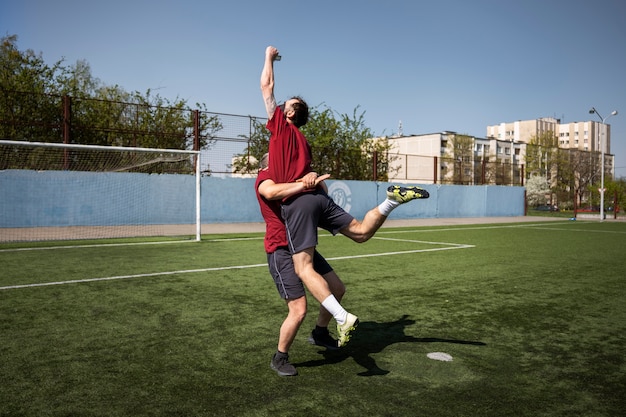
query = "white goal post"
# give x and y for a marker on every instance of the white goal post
(53, 191)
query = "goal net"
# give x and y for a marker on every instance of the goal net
(60, 192)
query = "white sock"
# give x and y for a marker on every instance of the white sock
(333, 307)
(387, 206)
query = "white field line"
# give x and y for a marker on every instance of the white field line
(454, 229)
(580, 230)
(96, 245)
(449, 247)
(380, 232)
(424, 241)
(224, 268)
(152, 274)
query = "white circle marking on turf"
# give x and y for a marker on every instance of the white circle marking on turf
(440, 356)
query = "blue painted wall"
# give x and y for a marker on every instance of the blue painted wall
(56, 198)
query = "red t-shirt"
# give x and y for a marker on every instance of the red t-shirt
(290, 153)
(275, 233)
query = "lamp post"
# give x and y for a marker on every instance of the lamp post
(613, 113)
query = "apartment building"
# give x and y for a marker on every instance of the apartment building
(450, 157)
(588, 136)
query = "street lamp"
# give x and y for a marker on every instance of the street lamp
(613, 113)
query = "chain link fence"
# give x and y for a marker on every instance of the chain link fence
(221, 138)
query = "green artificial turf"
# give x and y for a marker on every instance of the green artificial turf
(532, 314)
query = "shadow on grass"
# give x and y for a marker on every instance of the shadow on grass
(372, 337)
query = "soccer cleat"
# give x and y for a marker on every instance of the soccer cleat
(403, 194)
(344, 331)
(323, 338)
(282, 366)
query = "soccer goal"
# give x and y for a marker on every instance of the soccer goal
(51, 191)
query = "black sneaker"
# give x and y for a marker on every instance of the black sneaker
(280, 363)
(324, 339)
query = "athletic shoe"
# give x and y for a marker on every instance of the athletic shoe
(324, 339)
(282, 366)
(403, 194)
(344, 331)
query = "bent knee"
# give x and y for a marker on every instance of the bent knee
(361, 238)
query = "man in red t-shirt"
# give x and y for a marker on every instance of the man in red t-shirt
(287, 282)
(291, 160)
(305, 212)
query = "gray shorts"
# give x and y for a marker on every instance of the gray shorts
(308, 211)
(288, 284)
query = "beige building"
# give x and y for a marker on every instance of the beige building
(585, 136)
(497, 159)
(449, 157)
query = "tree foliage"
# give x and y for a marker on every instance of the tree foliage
(575, 171)
(541, 154)
(341, 145)
(537, 188)
(41, 102)
(614, 194)
(459, 154)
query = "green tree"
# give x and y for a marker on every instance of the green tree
(24, 115)
(537, 188)
(258, 145)
(35, 99)
(341, 145)
(458, 159)
(575, 171)
(541, 155)
(615, 192)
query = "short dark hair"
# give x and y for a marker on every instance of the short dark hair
(264, 162)
(302, 112)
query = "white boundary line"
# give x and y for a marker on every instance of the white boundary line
(449, 246)
(224, 268)
(379, 232)
(96, 245)
(580, 230)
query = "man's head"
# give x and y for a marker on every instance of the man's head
(297, 111)
(264, 162)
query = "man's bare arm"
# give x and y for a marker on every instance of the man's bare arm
(272, 191)
(267, 80)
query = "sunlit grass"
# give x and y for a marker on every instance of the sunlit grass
(532, 314)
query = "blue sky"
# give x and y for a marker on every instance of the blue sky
(436, 65)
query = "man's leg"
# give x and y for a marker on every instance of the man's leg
(362, 231)
(346, 322)
(289, 328)
(338, 289)
(316, 284)
(320, 335)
